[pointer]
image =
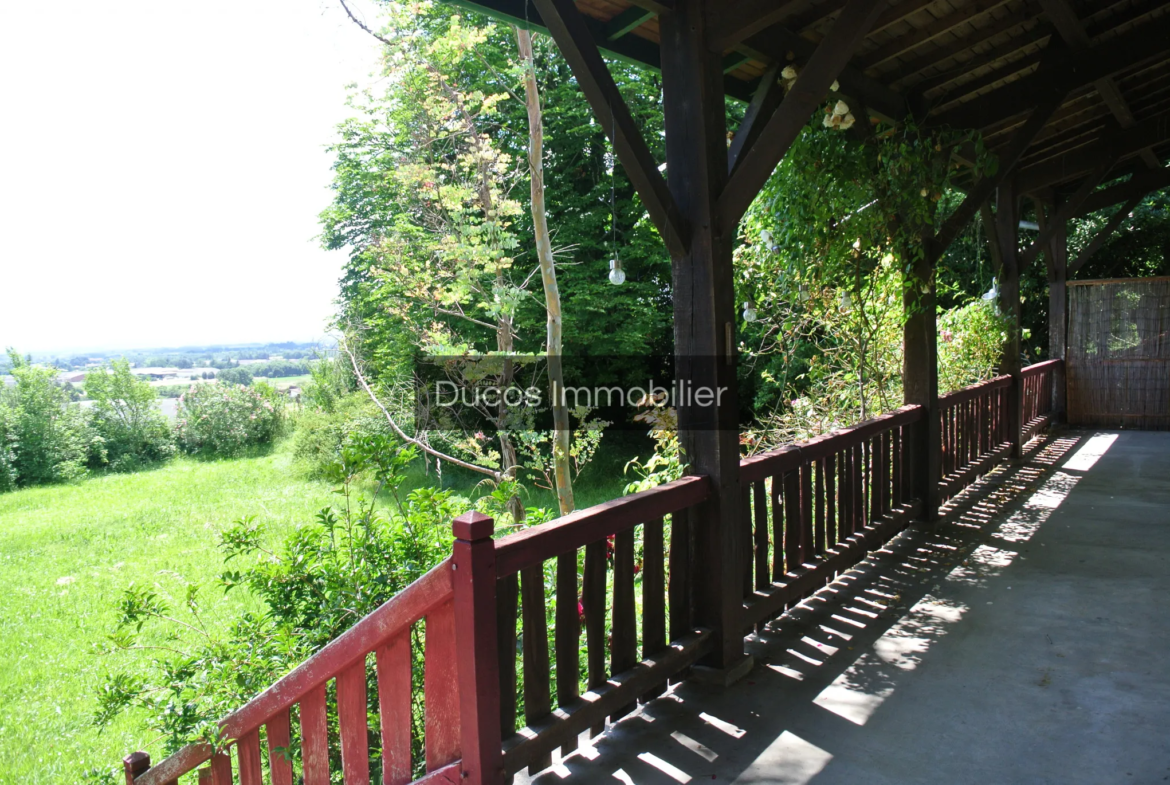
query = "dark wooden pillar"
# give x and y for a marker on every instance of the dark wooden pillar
(1007, 226)
(704, 323)
(1058, 314)
(920, 380)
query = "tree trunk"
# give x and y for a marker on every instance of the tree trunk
(548, 275)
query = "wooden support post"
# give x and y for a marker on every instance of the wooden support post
(1058, 315)
(704, 326)
(920, 383)
(135, 765)
(474, 563)
(1007, 229)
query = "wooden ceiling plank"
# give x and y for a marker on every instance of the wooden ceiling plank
(1066, 71)
(568, 28)
(785, 124)
(1036, 35)
(904, 43)
(1127, 142)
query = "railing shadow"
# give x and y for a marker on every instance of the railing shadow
(844, 650)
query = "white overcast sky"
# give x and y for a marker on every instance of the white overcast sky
(162, 165)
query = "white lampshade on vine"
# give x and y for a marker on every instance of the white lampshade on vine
(617, 276)
(749, 312)
(846, 301)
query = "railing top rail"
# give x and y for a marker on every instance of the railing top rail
(790, 456)
(396, 614)
(1032, 370)
(577, 529)
(974, 391)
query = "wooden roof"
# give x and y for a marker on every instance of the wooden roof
(985, 64)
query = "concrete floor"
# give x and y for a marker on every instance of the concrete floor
(1025, 640)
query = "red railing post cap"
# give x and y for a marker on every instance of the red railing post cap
(473, 526)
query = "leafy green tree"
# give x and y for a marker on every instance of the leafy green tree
(126, 418)
(241, 376)
(48, 439)
(216, 420)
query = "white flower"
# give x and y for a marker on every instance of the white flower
(922, 192)
(847, 121)
(830, 120)
(789, 72)
(835, 86)
(841, 108)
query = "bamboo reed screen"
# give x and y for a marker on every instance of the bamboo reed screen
(1119, 353)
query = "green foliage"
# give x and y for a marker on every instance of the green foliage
(970, 344)
(240, 375)
(275, 369)
(130, 430)
(322, 433)
(315, 583)
(42, 438)
(215, 420)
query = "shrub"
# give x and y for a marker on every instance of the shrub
(47, 439)
(316, 582)
(226, 419)
(321, 434)
(125, 418)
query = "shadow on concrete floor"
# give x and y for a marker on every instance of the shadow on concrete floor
(1022, 639)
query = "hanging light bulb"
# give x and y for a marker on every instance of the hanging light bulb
(749, 313)
(766, 237)
(993, 292)
(617, 275)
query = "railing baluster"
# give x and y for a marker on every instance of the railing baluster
(507, 614)
(393, 663)
(818, 508)
(896, 497)
(624, 650)
(653, 596)
(537, 700)
(831, 500)
(679, 586)
(278, 732)
(568, 636)
(221, 767)
(593, 600)
(314, 738)
(760, 507)
(858, 489)
(874, 476)
(806, 514)
(351, 716)
(791, 520)
(441, 685)
(248, 758)
(747, 538)
(778, 542)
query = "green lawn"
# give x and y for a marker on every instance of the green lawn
(66, 553)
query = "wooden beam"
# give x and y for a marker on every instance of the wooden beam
(1065, 212)
(1064, 71)
(810, 89)
(769, 94)
(568, 29)
(978, 83)
(1103, 236)
(1120, 144)
(627, 22)
(989, 227)
(856, 87)
(737, 22)
(983, 189)
(1137, 187)
(1007, 218)
(703, 295)
(902, 44)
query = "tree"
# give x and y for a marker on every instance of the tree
(239, 375)
(47, 438)
(125, 416)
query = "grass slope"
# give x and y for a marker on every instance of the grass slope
(66, 554)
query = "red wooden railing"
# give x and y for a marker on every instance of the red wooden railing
(810, 511)
(1038, 382)
(814, 509)
(974, 431)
